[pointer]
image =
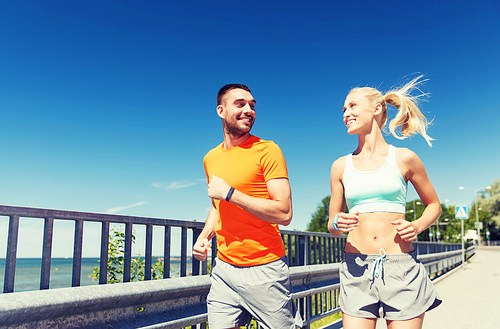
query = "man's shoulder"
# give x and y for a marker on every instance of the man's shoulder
(262, 143)
(213, 151)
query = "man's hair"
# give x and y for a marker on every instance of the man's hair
(224, 90)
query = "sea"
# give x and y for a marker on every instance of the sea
(28, 272)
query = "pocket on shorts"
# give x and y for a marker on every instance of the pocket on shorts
(401, 272)
(353, 269)
(274, 271)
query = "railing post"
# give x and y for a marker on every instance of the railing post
(103, 265)
(166, 251)
(183, 251)
(315, 247)
(214, 249)
(77, 254)
(308, 250)
(338, 250)
(300, 250)
(325, 254)
(149, 252)
(329, 258)
(195, 264)
(127, 252)
(10, 257)
(290, 251)
(48, 229)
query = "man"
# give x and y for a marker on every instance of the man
(250, 192)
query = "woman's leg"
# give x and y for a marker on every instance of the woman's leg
(351, 322)
(415, 323)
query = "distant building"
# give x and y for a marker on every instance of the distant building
(471, 235)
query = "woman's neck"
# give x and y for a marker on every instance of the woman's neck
(371, 143)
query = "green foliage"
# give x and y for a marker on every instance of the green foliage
(116, 248)
(319, 220)
(448, 226)
(489, 210)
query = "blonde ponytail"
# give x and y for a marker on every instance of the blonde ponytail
(409, 117)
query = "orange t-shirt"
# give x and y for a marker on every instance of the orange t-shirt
(243, 239)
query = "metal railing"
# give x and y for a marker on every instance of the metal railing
(441, 263)
(49, 215)
(172, 303)
(303, 248)
(313, 258)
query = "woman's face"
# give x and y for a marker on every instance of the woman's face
(358, 112)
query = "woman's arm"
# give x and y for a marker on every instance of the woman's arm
(416, 174)
(345, 222)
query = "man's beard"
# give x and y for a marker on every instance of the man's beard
(237, 132)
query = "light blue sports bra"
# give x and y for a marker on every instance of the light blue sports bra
(380, 190)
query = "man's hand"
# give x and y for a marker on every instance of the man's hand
(218, 188)
(200, 249)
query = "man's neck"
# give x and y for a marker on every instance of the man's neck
(232, 141)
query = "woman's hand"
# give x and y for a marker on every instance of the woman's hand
(347, 222)
(406, 230)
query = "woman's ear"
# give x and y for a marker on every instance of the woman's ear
(377, 109)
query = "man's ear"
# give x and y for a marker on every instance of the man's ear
(220, 111)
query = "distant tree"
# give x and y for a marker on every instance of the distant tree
(489, 210)
(319, 220)
(449, 227)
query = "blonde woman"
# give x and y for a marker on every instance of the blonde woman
(380, 274)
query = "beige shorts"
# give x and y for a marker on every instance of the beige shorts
(397, 284)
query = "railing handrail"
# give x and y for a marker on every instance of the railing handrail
(94, 217)
(146, 301)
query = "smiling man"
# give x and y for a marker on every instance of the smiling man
(250, 192)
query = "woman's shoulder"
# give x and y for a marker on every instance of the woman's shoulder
(405, 154)
(339, 164)
(408, 159)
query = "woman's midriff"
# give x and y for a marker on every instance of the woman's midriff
(376, 232)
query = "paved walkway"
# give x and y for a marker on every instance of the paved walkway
(471, 296)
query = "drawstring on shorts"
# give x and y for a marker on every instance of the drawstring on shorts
(378, 265)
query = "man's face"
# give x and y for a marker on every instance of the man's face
(237, 111)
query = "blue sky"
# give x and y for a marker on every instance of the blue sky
(109, 106)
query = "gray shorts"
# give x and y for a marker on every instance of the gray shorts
(239, 293)
(398, 284)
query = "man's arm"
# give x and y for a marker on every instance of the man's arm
(277, 210)
(202, 245)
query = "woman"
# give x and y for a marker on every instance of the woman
(380, 271)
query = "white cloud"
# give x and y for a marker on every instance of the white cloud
(117, 209)
(173, 185)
